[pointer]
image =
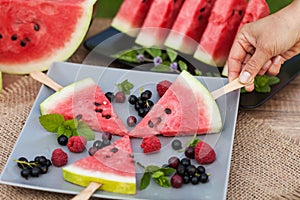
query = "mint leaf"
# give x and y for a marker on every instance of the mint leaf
(125, 86)
(151, 168)
(153, 51)
(198, 72)
(161, 68)
(71, 124)
(84, 130)
(264, 89)
(163, 181)
(273, 80)
(145, 180)
(51, 122)
(182, 65)
(62, 130)
(157, 174)
(167, 170)
(171, 54)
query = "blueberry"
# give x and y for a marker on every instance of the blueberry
(98, 144)
(194, 180)
(203, 178)
(110, 96)
(200, 169)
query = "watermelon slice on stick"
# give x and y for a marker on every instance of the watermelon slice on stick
(255, 10)
(219, 34)
(186, 108)
(112, 166)
(189, 25)
(33, 34)
(159, 20)
(131, 16)
(82, 99)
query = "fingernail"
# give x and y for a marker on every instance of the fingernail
(277, 60)
(244, 77)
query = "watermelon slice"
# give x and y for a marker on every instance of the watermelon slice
(112, 166)
(84, 99)
(219, 34)
(255, 10)
(159, 20)
(185, 109)
(33, 34)
(189, 25)
(131, 16)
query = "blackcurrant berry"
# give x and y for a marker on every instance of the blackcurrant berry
(191, 170)
(194, 180)
(146, 95)
(200, 169)
(203, 178)
(132, 99)
(176, 144)
(92, 150)
(176, 181)
(110, 96)
(62, 140)
(106, 136)
(98, 144)
(173, 162)
(21, 162)
(25, 173)
(120, 97)
(131, 121)
(185, 162)
(190, 152)
(35, 171)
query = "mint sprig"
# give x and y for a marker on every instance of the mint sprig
(125, 86)
(56, 123)
(158, 174)
(262, 84)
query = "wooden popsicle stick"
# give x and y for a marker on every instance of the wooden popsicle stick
(88, 191)
(46, 80)
(233, 85)
(43, 78)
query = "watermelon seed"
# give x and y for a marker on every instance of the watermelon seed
(114, 150)
(97, 104)
(1, 36)
(168, 111)
(131, 155)
(107, 116)
(36, 27)
(240, 12)
(202, 9)
(79, 117)
(150, 124)
(107, 156)
(14, 37)
(159, 120)
(23, 43)
(98, 110)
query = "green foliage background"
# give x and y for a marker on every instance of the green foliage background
(108, 8)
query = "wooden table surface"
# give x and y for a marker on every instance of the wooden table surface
(281, 112)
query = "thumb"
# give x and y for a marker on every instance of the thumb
(253, 66)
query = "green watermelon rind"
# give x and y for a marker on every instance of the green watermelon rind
(60, 55)
(110, 182)
(64, 93)
(198, 88)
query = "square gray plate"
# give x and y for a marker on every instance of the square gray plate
(34, 140)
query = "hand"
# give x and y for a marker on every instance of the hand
(261, 47)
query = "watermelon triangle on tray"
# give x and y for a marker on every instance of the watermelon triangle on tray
(186, 108)
(85, 100)
(113, 166)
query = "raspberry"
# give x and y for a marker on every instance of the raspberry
(151, 144)
(59, 157)
(204, 153)
(77, 144)
(162, 87)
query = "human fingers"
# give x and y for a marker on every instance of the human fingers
(250, 87)
(253, 66)
(265, 68)
(275, 66)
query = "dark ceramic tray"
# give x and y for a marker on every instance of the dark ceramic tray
(108, 42)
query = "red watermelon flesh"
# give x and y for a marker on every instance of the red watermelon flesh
(189, 25)
(219, 34)
(85, 99)
(131, 15)
(255, 10)
(185, 109)
(112, 166)
(159, 20)
(33, 34)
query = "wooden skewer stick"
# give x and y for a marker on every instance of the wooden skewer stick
(233, 85)
(43, 78)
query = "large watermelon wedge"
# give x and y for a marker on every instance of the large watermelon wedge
(131, 16)
(33, 34)
(185, 109)
(255, 10)
(112, 166)
(189, 25)
(84, 99)
(159, 20)
(219, 34)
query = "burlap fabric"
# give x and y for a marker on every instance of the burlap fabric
(265, 163)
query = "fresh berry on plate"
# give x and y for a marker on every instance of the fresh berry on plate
(76, 144)
(162, 87)
(151, 144)
(59, 158)
(204, 153)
